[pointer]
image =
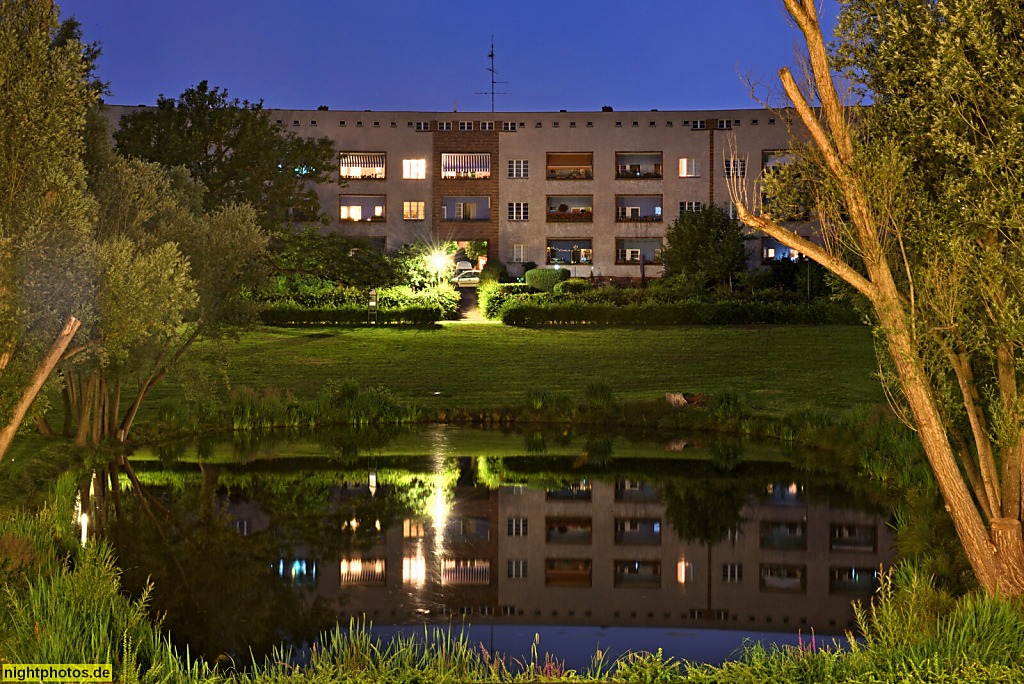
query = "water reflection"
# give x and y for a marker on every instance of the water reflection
(276, 540)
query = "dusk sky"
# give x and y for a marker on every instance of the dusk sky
(425, 56)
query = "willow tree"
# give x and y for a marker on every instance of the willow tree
(919, 200)
(46, 248)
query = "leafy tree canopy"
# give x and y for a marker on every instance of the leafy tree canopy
(706, 246)
(236, 151)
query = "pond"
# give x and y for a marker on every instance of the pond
(618, 541)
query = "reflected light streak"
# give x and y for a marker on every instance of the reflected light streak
(414, 570)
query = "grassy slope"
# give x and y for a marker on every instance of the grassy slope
(487, 366)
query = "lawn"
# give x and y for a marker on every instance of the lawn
(777, 368)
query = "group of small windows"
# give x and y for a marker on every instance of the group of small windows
(697, 125)
(518, 211)
(735, 168)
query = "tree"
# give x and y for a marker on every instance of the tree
(47, 255)
(920, 201)
(237, 152)
(706, 246)
(169, 273)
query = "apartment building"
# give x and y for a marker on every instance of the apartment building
(589, 191)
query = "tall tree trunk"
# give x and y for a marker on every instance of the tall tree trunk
(115, 487)
(39, 376)
(65, 395)
(44, 427)
(86, 395)
(115, 408)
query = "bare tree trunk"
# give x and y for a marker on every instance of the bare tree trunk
(159, 371)
(44, 427)
(85, 415)
(115, 487)
(97, 408)
(39, 376)
(65, 395)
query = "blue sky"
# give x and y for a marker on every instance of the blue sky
(403, 55)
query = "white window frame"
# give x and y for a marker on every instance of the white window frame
(518, 254)
(698, 124)
(509, 126)
(518, 168)
(465, 125)
(689, 168)
(687, 206)
(518, 211)
(518, 568)
(730, 210)
(414, 211)
(732, 572)
(725, 124)
(518, 527)
(735, 168)
(422, 125)
(444, 125)
(414, 169)
(486, 125)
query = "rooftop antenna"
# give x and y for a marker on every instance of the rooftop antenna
(493, 74)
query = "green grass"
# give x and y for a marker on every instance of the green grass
(778, 369)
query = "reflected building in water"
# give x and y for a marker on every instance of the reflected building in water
(602, 553)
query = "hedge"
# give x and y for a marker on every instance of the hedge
(349, 315)
(523, 312)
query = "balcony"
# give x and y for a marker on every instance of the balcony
(638, 165)
(465, 571)
(858, 538)
(638, 208)
(362, 572)
(783, 535)
(785, 578)
(636, 490)
(465, 166)
(638, 574)
(637, 250)
(567, 572)
(570, 166)
(363, 166)
(791, 494)
(568, 531)
(852, 581)
(362, 208)
(577, 492)
(570, 252)
(466, 208)
(570, 208)
(638, 531)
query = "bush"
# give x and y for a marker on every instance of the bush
(494, 272)
(545, 279)
(349, 315)
(492, 297)
(572, 286)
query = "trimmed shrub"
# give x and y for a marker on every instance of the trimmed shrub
(572, 286)
(494, 272)
(491, 297)
(349, 315)
(545, 279)
(534, 311)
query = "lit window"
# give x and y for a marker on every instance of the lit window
(465, 166)
(413, 211)
(518, 211)
(689, 168)
(414, 169)
(684, 572)
(414, 570)
(351, 213)
(358, 165)
(771, 253)
(412, 529)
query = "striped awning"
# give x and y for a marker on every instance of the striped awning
(455, 165)
(365, 160)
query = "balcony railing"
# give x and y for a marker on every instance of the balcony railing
(582, 216)
(575, 173)
(465, 574)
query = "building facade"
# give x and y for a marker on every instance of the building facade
(593, 192)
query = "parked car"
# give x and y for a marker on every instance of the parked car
(471, 277)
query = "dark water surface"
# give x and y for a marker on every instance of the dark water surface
(636, 541)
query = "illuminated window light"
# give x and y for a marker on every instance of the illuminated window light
(414, 570)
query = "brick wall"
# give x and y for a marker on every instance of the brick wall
(467, 142)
